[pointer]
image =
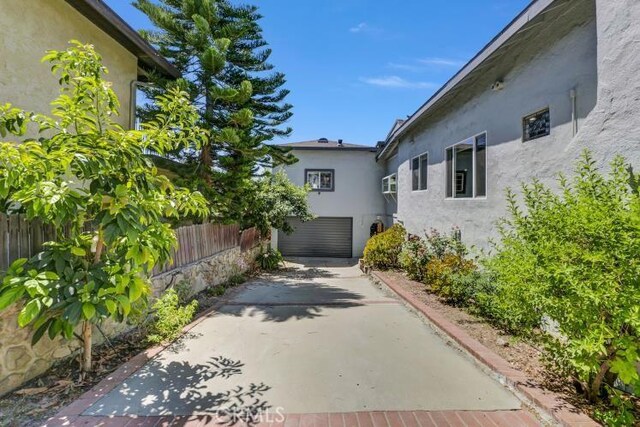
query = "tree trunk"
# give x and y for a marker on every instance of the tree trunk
(87, 363)
(596, 384)
(206, 152)
(86, 347)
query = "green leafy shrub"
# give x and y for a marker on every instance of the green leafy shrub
(435, 260)
(619, 411)
(414, 256)
(472, 288)
(235, 280)
(573, 256)
(382, 250)
(184, 290)
(439, 273)
(441, 244)
(269, 260)
(170, 317)
(216, 291)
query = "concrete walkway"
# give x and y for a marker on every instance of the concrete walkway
(317, 338)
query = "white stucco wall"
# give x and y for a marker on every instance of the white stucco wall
(29, 30)
(540, 74)
(357, 188)
(613, 127)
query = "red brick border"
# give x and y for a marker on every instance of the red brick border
(349, 419)
(550, 402)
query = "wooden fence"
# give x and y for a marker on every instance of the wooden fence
(20, 238)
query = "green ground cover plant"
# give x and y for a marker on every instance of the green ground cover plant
(170, 316)
(269, 259)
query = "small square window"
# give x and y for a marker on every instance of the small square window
(536, 125)
(320, 179)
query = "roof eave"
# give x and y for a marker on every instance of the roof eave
(370, 149)
(535, 8)
(108, 21)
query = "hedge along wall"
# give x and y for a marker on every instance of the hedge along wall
(208, 254)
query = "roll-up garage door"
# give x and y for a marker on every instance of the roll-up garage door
(322, 237)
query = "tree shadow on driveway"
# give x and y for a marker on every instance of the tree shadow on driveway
(180, 388)
(283, 300)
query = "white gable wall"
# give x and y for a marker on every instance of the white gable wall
(357, 188)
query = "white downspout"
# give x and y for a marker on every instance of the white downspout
(133, 100)
(574, 111)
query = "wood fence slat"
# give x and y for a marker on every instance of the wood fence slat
(14, 242)
(194, 244)
(4, 243)
(36, 231)
(23, 235)
(181, 245)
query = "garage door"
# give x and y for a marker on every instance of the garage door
(322, 237)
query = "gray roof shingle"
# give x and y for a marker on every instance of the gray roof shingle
(326, 145)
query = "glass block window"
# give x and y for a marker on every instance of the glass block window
(536, 125)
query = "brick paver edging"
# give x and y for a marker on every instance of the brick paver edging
(347, 419)
(551, 403)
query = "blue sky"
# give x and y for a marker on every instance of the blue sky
(354, 66)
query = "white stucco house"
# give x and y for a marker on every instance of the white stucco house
(345, 179)
(562, 77)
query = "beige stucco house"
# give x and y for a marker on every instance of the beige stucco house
(28, 31)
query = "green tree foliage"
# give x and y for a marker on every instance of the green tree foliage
(275, 200)
(383, 250)
(87, 170)
(220, 50)
(574, 257)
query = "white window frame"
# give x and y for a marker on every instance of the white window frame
(387, 189)
(319, 172)
(419, 157)
(475, 169)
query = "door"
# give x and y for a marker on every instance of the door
(323, 237)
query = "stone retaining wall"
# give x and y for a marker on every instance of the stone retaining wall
(20, 362)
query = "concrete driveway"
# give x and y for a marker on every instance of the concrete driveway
(316, 338)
